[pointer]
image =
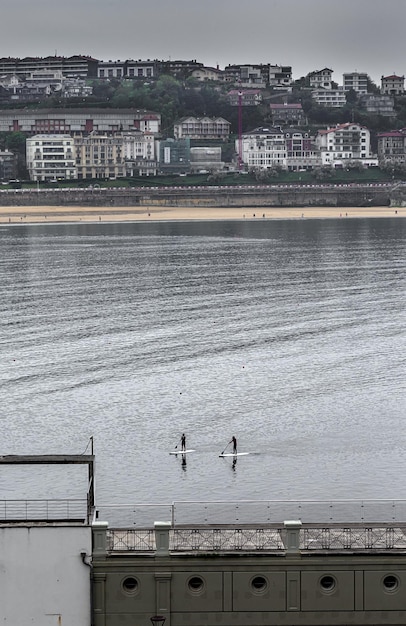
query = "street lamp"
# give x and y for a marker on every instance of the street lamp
(158, 620)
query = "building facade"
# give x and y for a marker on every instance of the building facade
(202, 128)
(392, 147)
(294, 573)
(321, 79)
(263, 148)
(287, 114)
(78, 121)
(51, 158)
(344, 142)
(393, 85)
(356, 81)
(331, 98)
(81, 66)
(247, 97)
(378, 104)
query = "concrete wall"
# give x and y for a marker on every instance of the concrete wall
(43, 579)
(211, 196)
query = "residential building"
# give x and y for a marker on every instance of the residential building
(140, 69)
(280, 77)
(8, 165)
(378, 104)
(248, 97)
(202, 128)
(51, 157)
(205, 74)
(328, 97)
(344, 142)
(111, 69)
(321, 79)
(301, 152)
(263, 148)
(100, 156)
(78, 121)
(392, 147)
(139, 154)
(174, 156)
(178, 69)
(356, 81)
(287, 114)
(393, 85)
(247, 75)
(81, 66)
(206, 159)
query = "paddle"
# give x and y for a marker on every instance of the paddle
(226, 447)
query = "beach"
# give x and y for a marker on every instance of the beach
(51, 214)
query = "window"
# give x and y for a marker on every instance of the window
(327, 583)
(130, 585)
(259, 584)
(390, 583)
(195, 584)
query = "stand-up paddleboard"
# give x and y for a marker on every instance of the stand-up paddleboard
(182, 451)
(233, 454)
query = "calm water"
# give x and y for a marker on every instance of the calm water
(290, 335)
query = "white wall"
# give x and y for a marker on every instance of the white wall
(42, 577)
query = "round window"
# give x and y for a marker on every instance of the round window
(391, 582)
(130, 585)
(327, 583)
(259, 584)
(195, 584)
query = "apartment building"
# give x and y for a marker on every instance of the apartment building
(280, 77)
(78, 65)
(99, 156)
(248, 97)
(202, 128)
(287, 114)
(8, 165)
(392, 146)
(78, 121)
(247, 75)
(393, 85)
(331, 98)
(263, 148)
(126, 69)
(140, 154)
(204, 74)
(378, 104)
(51, 157)
(344, 142)
(301, 151)
(356, 81)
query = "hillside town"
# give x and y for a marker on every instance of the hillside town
(80, 118)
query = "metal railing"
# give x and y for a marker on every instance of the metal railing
(43, 510)
(189, 513)
(266, 539)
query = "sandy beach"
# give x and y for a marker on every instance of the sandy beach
(51, 214)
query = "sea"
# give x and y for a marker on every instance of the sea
(288, 334)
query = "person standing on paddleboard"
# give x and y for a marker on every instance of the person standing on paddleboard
(234, 442)
(183, 442)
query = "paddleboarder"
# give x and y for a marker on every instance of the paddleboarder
(234, 442)
(183, 442)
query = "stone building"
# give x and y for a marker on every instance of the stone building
(392, 147)
(393, 85)
(202, 128)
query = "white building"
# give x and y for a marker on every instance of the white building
(344, 142)
(139, 154)
(332, 98)
(356, 81)
(51, 157)
(263, 148)
(393, 85)
(321, 79)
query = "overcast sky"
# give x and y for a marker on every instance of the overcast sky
(344, 35)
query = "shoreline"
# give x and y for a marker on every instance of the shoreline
(60, 214)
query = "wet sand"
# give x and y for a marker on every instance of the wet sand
(51, 214)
